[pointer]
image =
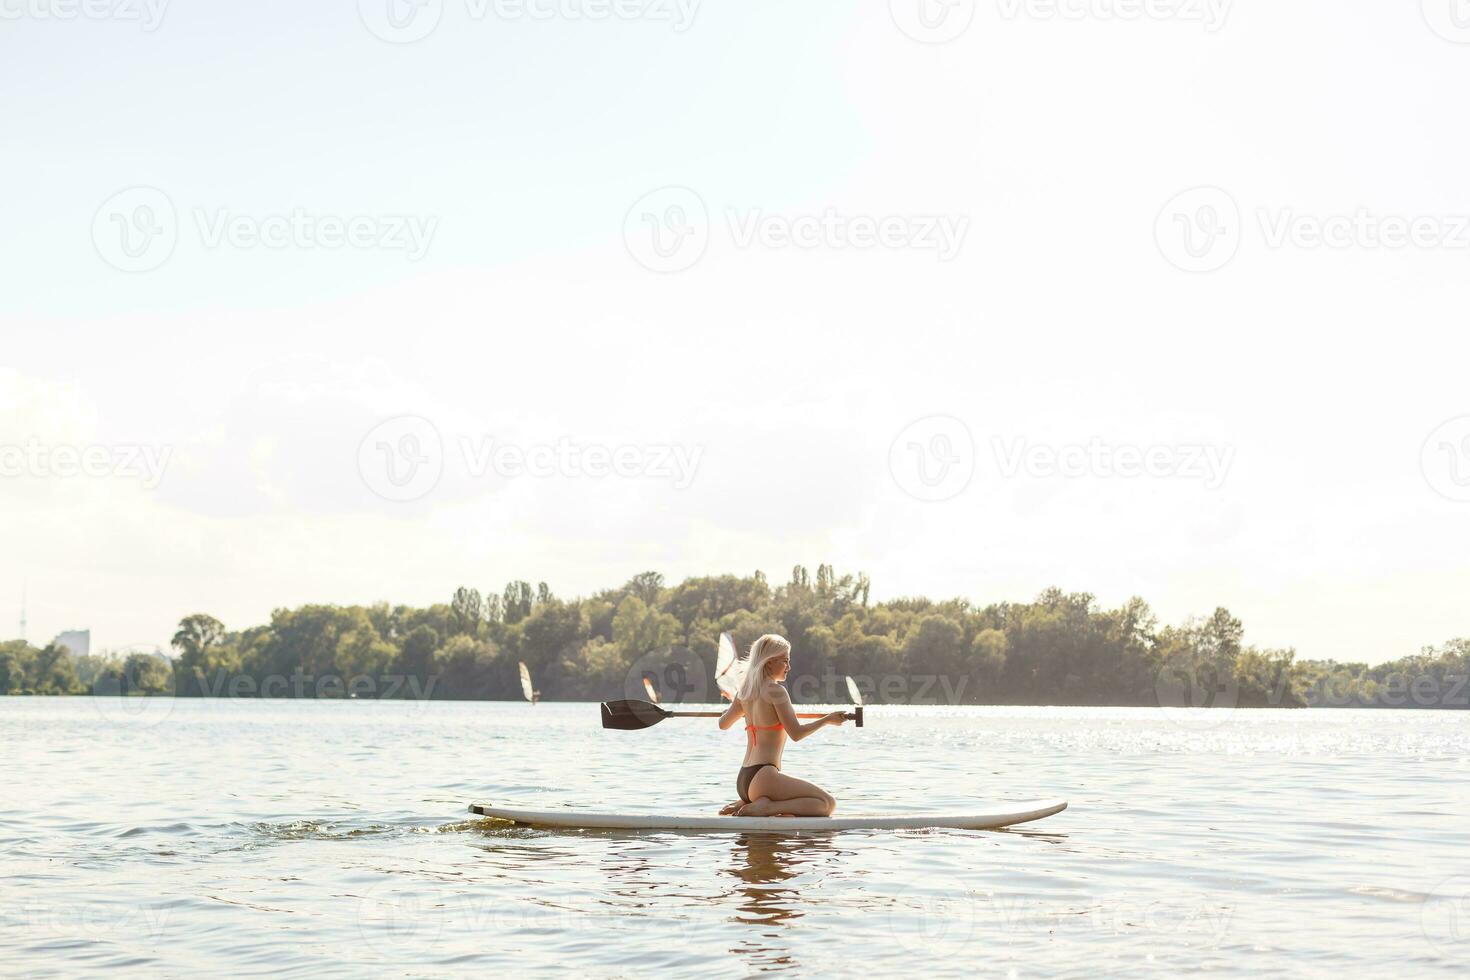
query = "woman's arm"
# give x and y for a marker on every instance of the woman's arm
(786, 714)
(732, 714)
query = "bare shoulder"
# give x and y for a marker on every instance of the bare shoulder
(775, 693)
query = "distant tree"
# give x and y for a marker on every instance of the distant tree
(467, 611)
(936, 646)
(361, 656)
(386, 619)
(713, 599)
(52, 671)
(602, 665)
(197, 636)
(647, 586)
(988, 656)
(417, 655)
(467, 668)
(147, 673)
(639, 628)
(310, 641)
(517, 601)
(1220, 638)
(92, 667)
(12, 672)
(554, 630)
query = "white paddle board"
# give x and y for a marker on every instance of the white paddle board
(998, 815)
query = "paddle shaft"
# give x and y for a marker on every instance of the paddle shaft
(631, 715)
(716, 714)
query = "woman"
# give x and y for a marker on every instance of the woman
(766, 791)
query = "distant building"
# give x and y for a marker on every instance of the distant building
(78, 642)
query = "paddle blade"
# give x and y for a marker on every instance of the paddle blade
(853, 692)
(631, 716)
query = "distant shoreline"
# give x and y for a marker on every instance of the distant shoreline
(1452, 704)
(647, 635)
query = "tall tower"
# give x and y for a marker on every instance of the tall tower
(23, 611)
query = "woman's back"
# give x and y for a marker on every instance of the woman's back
(765, 735)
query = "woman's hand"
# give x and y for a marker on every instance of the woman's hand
(835, 718)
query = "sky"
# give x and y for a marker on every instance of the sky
(356, 302)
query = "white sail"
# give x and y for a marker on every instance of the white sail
(729, 668)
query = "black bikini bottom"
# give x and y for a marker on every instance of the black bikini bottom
(747, 773)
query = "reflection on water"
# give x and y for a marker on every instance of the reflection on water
(320, 838)
(768, 901)
(769, 866)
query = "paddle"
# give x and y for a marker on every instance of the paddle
(632, 716)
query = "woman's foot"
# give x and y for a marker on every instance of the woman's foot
(804, 807)
(729, 809)
(762, 807)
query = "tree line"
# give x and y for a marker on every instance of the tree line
(1060, 648)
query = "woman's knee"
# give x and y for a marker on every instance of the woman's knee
(830, 801)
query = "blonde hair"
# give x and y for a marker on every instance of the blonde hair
(762, 651)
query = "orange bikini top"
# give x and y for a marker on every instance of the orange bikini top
(750, 730)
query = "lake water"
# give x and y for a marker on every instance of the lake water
(330, 838)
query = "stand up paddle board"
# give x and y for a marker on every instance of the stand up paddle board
(1002, 815)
